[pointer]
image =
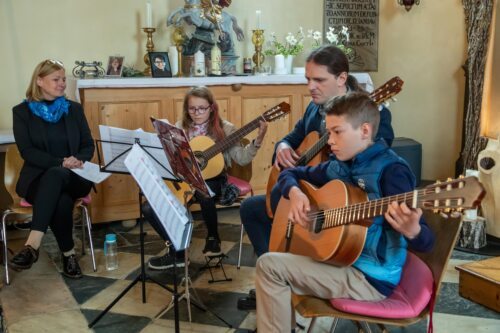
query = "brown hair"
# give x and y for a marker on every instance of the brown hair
(46, 67)
(357, 107)
(215, 129)
(336, 62)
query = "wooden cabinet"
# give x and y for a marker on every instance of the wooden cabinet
(130, 106)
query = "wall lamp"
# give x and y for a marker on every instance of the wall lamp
(408, 3)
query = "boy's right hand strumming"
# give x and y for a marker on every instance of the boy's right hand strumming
(299, 207)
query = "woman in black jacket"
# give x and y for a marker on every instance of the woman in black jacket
(53, 137)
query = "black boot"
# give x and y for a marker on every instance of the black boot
(71, 268)
(248, 303)
(25, 258)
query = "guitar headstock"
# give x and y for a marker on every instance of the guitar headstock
(277, 111)
(387, 90)
(452, 196)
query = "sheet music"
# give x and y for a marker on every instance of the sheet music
(120, 139)
(181, 157)
(92, 172)
(172, 214)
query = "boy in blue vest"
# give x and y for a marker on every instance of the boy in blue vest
(351, 121)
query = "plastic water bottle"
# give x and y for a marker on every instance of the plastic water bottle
(111, 252)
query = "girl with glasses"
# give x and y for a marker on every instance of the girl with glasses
(201, 117)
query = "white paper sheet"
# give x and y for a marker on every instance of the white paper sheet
(172, 214)
(119, 140)
(92, 172)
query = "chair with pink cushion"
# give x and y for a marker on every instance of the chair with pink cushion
(20, 206)
(411, 301)
(245, 190)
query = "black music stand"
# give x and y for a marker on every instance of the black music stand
(143, 277)
(184, 166)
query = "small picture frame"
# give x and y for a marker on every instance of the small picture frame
(115, 66)
(160, 64)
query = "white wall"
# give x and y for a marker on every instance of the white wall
(425, 47)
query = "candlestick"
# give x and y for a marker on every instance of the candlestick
(149, 15)
(258, 57)
(150, 47)
(178, 38)
(257, 15)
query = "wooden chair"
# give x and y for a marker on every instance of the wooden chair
(19, 206)
(446, 232)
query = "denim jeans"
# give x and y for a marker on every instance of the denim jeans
(256, 222)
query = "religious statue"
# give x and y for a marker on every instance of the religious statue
(208, 18)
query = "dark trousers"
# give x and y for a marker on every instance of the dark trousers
(53, 196)
(256, 222)
(208, 211)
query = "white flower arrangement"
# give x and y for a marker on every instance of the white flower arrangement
(293, 44)
(340, 39)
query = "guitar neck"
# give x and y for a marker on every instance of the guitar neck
(232, 138)
(378, 96)
(309, 154)
(365, 210)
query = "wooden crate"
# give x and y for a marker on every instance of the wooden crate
(480, 282)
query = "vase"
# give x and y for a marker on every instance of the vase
(279, 64)
(289, 63)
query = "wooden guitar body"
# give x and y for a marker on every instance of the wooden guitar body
(209, 168)
(308, 142)
(339, 246)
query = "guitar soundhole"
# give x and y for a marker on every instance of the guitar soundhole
(202, 162)
(317, 225)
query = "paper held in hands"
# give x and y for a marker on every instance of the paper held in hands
(91, 171)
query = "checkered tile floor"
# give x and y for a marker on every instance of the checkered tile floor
(40, 299)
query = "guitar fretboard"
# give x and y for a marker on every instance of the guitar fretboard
(232, 138)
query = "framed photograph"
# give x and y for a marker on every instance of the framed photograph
(160, 65)
(115, 66)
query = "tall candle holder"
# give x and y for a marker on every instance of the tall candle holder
(178, 38)
(150, 47)
(258, 57)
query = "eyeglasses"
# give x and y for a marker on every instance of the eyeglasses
(54, 62)
(199, 110)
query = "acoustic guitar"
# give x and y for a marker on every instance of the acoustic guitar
(312, 145)
(209, 153)
(340, 216)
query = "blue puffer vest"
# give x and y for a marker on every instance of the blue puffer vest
(384, 253)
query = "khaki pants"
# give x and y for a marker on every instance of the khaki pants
(278, 274)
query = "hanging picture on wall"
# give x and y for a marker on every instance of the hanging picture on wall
(115, 66)
(160, 65)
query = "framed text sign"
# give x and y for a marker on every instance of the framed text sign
(361, 19)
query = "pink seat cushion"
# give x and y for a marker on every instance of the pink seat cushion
(244, 186)
(408, 300)
(86, 199)
(24, 203)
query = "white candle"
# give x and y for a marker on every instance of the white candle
(149, 15)
(199, 64)
(257, 14)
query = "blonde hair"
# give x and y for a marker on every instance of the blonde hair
(46, 67)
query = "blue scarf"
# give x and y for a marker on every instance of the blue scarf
(52, 112)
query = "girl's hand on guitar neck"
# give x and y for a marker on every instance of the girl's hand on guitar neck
(403, 219)
(285, 156)
(299, 207)
(261, 134)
